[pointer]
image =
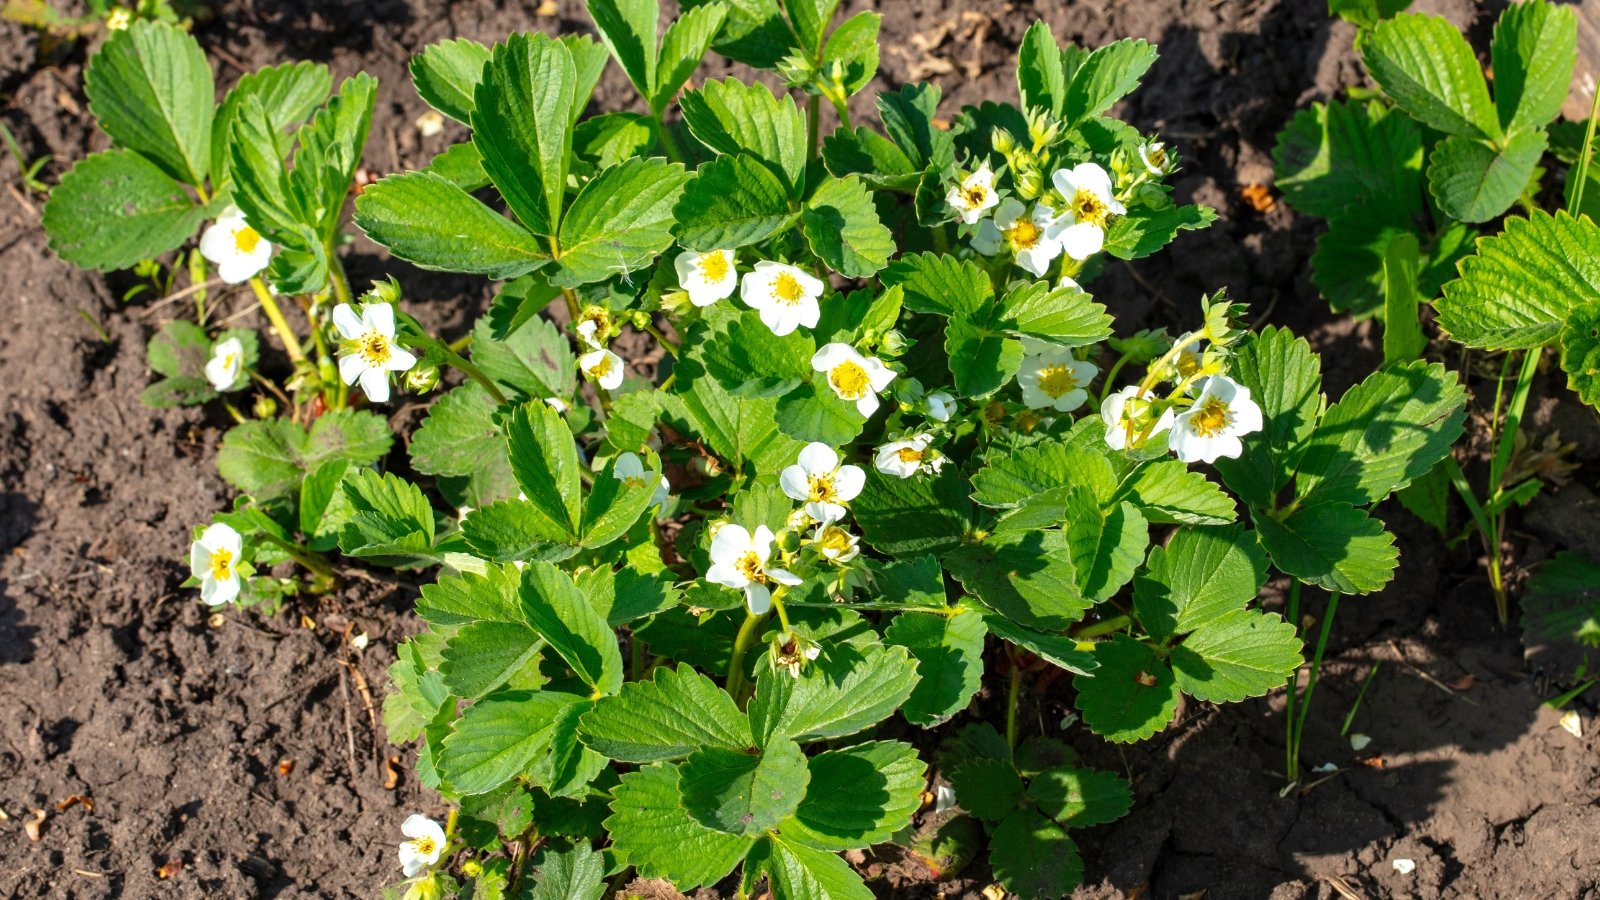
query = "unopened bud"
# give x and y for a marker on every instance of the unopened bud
(422, 379)
(1002, 141)
(386, 291)
(789, 540)
(265, 407)
(893, 344)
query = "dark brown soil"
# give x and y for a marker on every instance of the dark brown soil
(238, 759)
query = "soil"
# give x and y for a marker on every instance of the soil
(236, 757)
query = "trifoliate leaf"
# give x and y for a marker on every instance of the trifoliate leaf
(949, 652)
(1383, 433)
(115, 208)
(626, 595)
(533, 360)
(798, 872)
(1516, 291)
(619, 222)
(464, 598)
(988, 788)
(982, 360)
(1034, 858)
(269, 457)
(460, 439)
(1243, 654)
(870, 156)
(391, 522)
(570, 766)
(940, 284)
(858, 796)
(916, 515)
(544, 460)
(1079, 798)
(1534, 51)
(1010, 480)
(426, 219)
(729, 117)
(669, 717)
(1056, 649)
(1143, 230)
(848, 689)
(577, 873)
(743, 793)
(811, 413)
(1580, 351)
(1109, 73)
(483, 656)
(1167, 492)
(843, 230)
(515, 531)
(731, 201)
(1026, 576)
(1107, 543)
(1332, 545)
(179, 351)
(1202, 575)
(522, 125)
(446, 75)
(557, 610)
(150, 88)
(651, 831)
(1132, 694)
(1475, 182)
(750, 361)
(1285, 380)
(288, 93)
(1332, 156)
(1066, 316)
(907, 116)
(499, 737)
(1427, 67)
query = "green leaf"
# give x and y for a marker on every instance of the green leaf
(756, 32)
(466, 598)
(843, 230)
(1366, 13)
(848, 689)
(1245, 653)
(515, 530)
(940, 284)
(1107, 543)
(988, 788)
(577, 873)
(611, 139)
(1167, 492)
(632, 420)
(1026, 576)
(115, 208)
(180, 349)
(460, 439)
(1285, 380)
(615, 505)
(627, 595)
(918, 581)
(738, 430)
(1010, 480)
(1056, 649)
(1202, 575)
(1332, 156)
(1403, 339)
(288, 93)
(811, 413)
(1332, 545)
(483, 656)
(1534, 52)
(1143, 230)
(425, 219)
(1034, 858)
(729, 117)
(1132, 694)
(858, 796)
(1065, 316)
(669, 717)
(981, 360)
(269, 457)
(446, 75)
(1109, 73)
(544, 459)
(811, 19)
(150, 88)
(620, 222)
(870, 156)
(853, 48)
(1080, 798)
(323, 506)
(682, 47)
(417, 698)
(798, 872)
(912, 516)
(1580, 352)
(522, 124)
(499, 737)
(1041, 80)
(557, 610)
(750, 361)
(1430, 71)
(732, 201)
(651, 831)
(949, 652)
(628, 29)
(1515, 292)
(391, 522)
(1475, 182)
(742, 793)
(534, 359)
(569, 767)
(1383, 433)
(907, 116)
(1562, 601)
(1348, 264)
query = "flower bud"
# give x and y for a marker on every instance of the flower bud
(422, 379)
(789, 540)
(1030, 184)
(1002, 141)
(387, 291)
(265, 407)
(893, 344)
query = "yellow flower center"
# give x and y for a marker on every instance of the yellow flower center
(849, 380)
(1086, 207)
(633, 481)
(787, 289)
(975, 195)
(221, 564)
(599, 318)
(375, 349)
(909, 455)
(600, 369)
(749, 565)
(228, 359)
(1023, 235)
(822, 490)
(424, 846)
(1058, 380)
(714, 266)
(835, 541)
(1157, 156)
(246, 239)
(1210, 419)
(1187, 363)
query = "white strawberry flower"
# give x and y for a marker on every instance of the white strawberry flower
(835, 543)
(630, 471)
(1055, 379)
(425, 846)
(1188, 360)
(785, 296)
(821, 483)
(707, 277)
(238, 251)
(367, 349)
(1127, 414)
(906, 458)
(226, 364)
(1026, 234)
(974, 196)
(941, 406)
(1221, 415)
(594, 326)
(1090, 204)
(852, 376)
(214, 559)
(1155, 157)
(603, 368)
(739, 561)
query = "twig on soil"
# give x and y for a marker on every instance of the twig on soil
(21, 200)
(179, 295)
(1344, 890)
(1429, 678)
(349, 727)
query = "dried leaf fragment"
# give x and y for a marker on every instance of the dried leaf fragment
(35, 825)
(1259, 197)
(75, 800)
(172, 868)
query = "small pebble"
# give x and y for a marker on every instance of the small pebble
(1359, 742)
(1405, 866)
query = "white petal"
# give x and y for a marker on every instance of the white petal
(795, 484)
(217, 593)
(400, 360)
(348, 323)
(988, 238)
(780, 319)
(419, 826)
(1071, 400)
(761, 542)
(878, 374)
(830, 355)
(628, 465)
(848, 482)
(199, 560)
(237, 270)
(818, 458)
(375, 384)
(1008, 212)
(726, 575)
(380, 318)
(216, 243)
(731, 542)
(222, 536)
(411, 862)
(757, 598)
(867, 405)
(351, 367)
(1082, 240)
(784, 576)
(825, 513)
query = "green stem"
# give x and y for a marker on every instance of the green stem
(1292, 610)
(233, 411)
(666, 343)
(460, 343)
(741, 645)
(813, 127)
(1111, 375)
(1102, 627)
(269, 305)
(946, 611)
(1583, 158)
(669, 145)
(1311, 685)
(456, 360)
(313, 561)
(1011, 704)
(635, 657)
(341, 283)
